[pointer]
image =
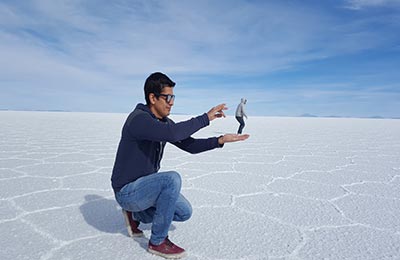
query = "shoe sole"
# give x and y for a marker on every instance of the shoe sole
(131, 234)
(128, 226)
(167, 256)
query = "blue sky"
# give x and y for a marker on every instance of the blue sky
(287, 58)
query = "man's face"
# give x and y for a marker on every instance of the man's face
(159, 104)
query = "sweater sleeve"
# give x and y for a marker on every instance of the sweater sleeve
(243, 112)
(193, 145)
(146, 127)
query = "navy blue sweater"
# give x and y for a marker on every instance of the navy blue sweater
(143, 140)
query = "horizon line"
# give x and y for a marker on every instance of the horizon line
(305, 115)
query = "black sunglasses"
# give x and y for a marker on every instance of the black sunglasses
(168, 97)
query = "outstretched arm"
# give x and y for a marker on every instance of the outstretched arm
(193, 145)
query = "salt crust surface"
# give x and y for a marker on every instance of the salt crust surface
(299, 188)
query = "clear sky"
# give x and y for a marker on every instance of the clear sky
(288, 58)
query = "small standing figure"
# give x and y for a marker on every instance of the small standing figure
(240, 114)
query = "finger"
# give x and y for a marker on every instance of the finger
(243, 137)
(221, 113)
(220, 107)
(236, 137)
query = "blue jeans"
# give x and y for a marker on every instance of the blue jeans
(242, 124)
(156, 199)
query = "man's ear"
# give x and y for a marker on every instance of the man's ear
(152, 98)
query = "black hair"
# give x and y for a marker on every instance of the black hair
(155, 84)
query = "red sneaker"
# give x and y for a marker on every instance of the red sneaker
(131, 224)
(167, 249)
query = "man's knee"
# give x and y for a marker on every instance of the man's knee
(187, 214)
(175, 177)
(174, 180)
(184, 212)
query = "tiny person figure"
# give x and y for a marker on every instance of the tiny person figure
(240, 114)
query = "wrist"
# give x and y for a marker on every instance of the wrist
(221, 140)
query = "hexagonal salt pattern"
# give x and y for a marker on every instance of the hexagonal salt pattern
(299, 188)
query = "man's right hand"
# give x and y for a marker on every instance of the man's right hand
(229, 138)
(217, 112)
